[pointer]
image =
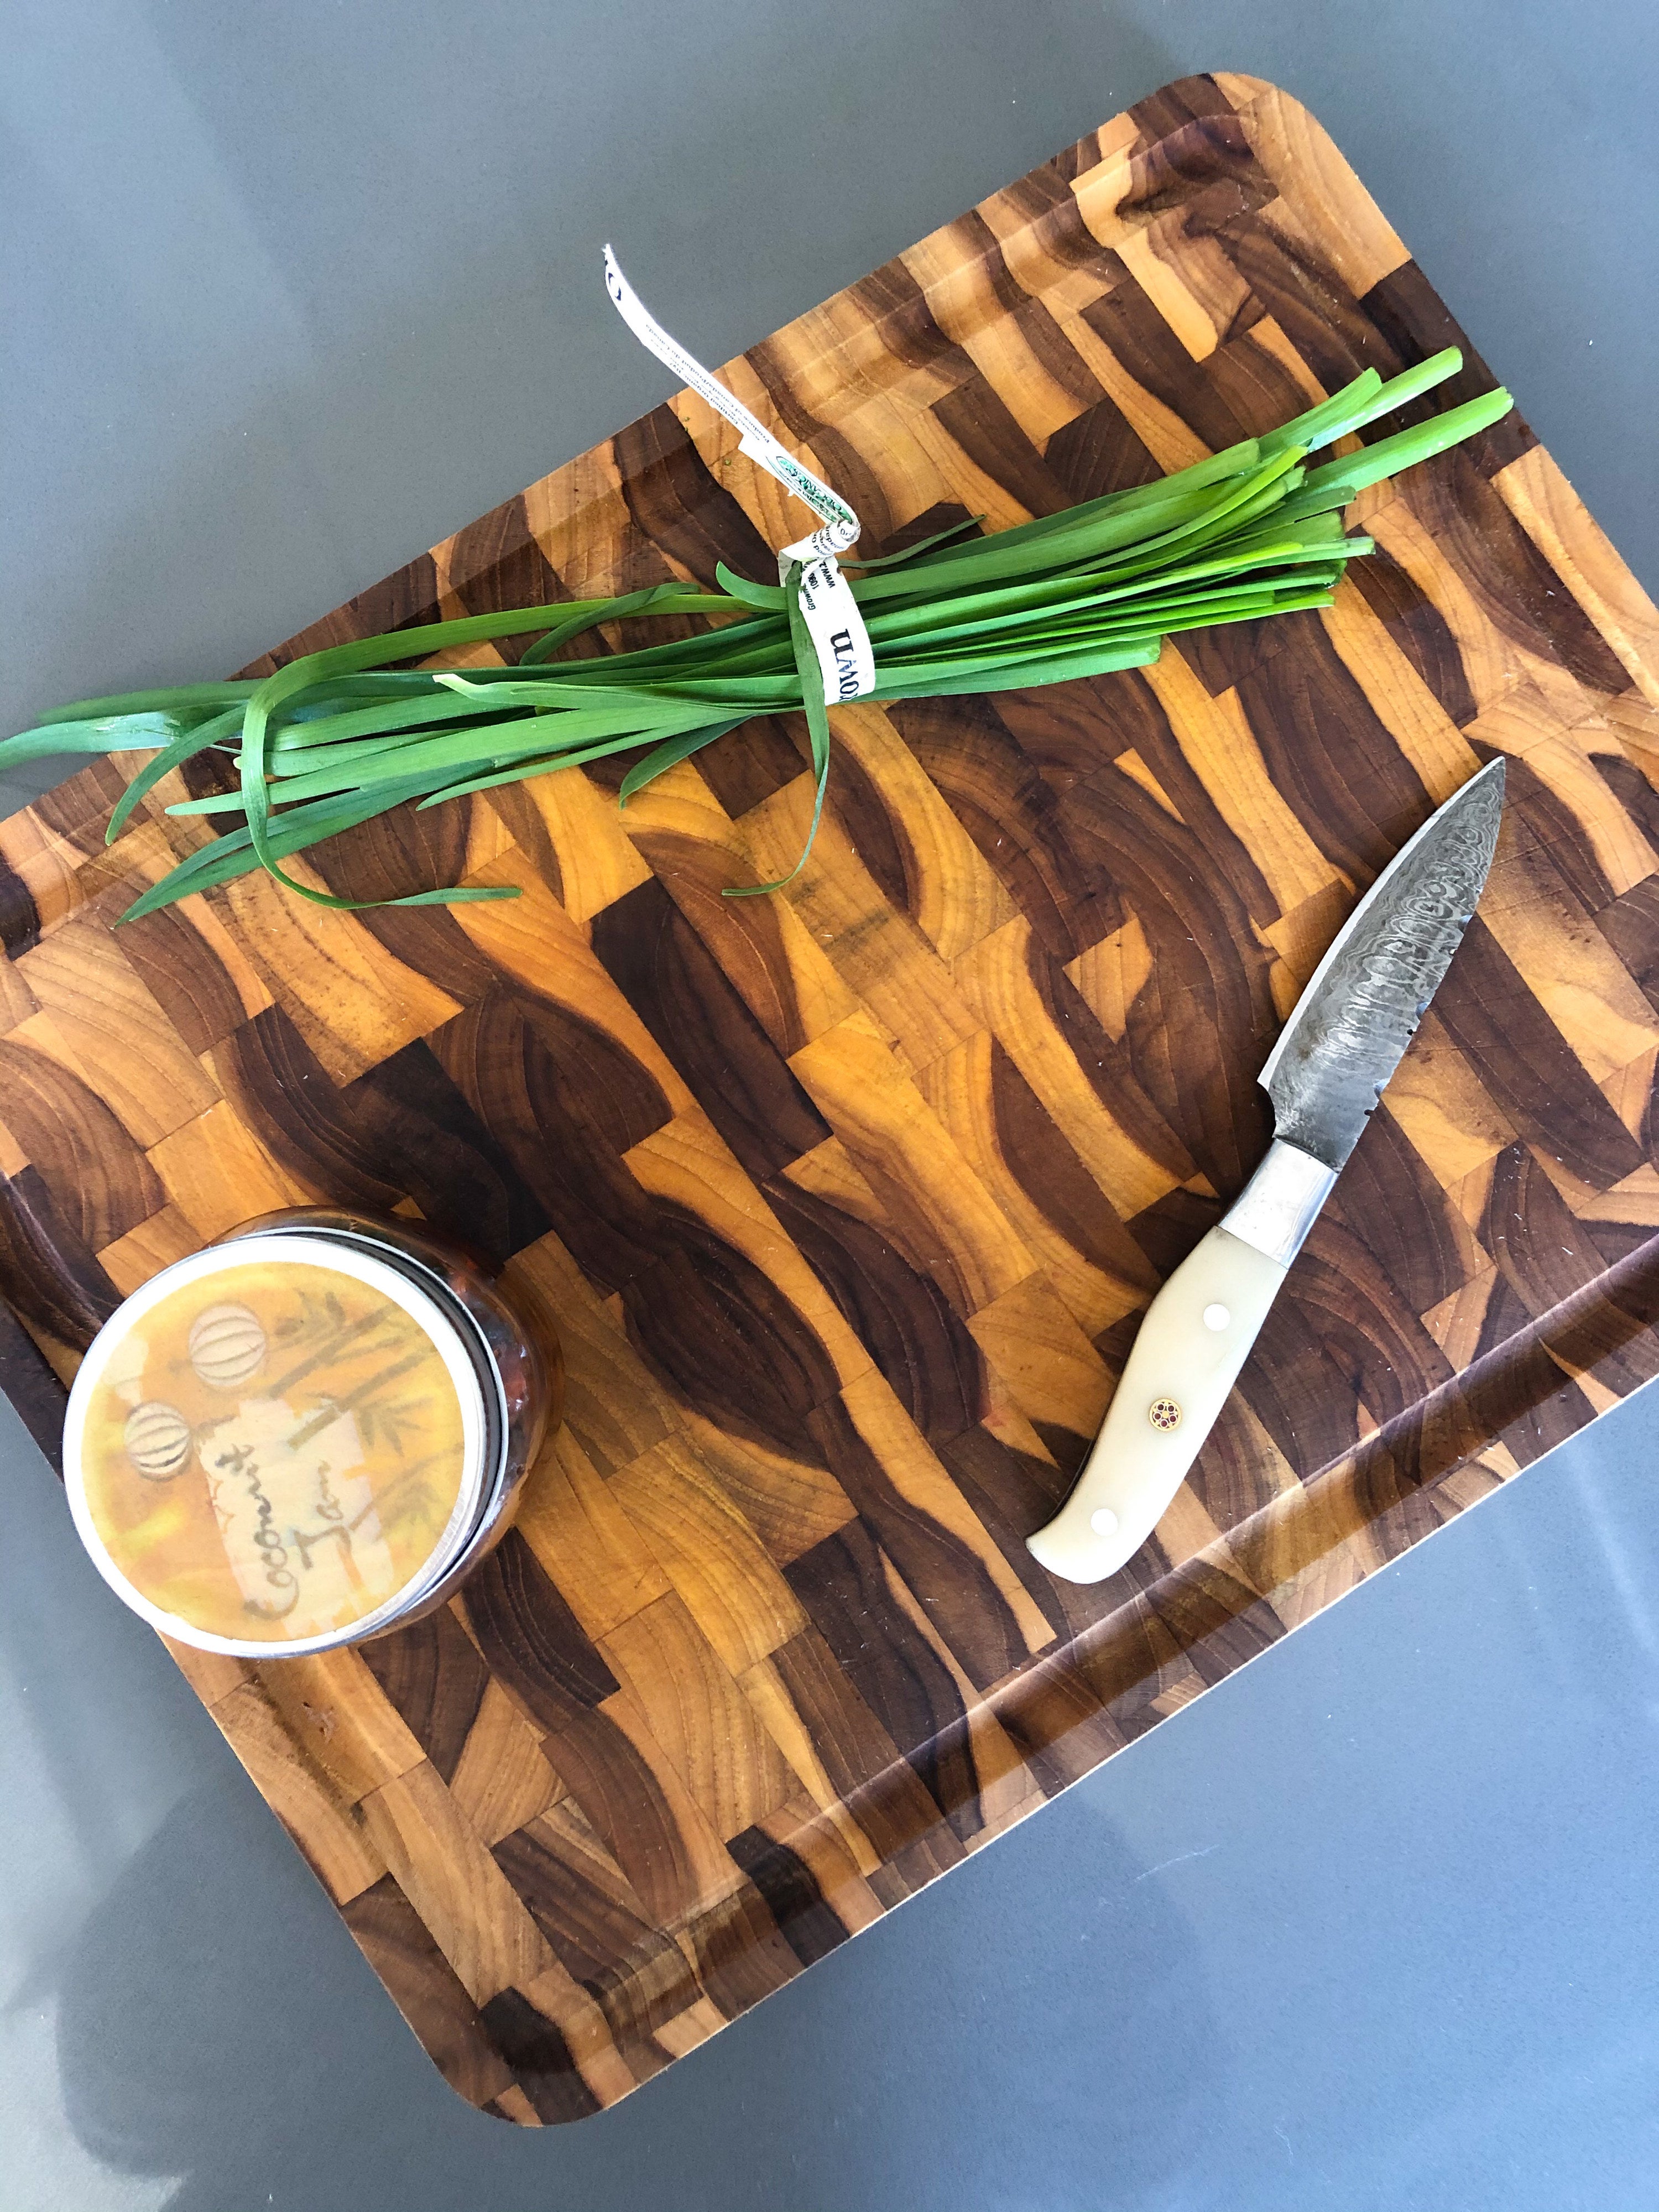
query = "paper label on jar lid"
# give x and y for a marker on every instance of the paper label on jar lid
(297, 1517)
(270, 1451)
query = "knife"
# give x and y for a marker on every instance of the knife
(1342, 1042)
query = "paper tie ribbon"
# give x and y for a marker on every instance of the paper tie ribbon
(846, 658)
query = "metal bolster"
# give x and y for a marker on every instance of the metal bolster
(1281, 1203)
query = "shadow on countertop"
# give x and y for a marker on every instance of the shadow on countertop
(1370, 1925)
(216, 2021)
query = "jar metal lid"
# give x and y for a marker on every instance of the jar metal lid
(277, 1445)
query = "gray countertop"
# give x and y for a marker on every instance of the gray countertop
(290, 292)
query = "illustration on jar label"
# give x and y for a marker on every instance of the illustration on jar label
(227, 1345)
(157, 1439)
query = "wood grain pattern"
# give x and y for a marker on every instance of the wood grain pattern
(846, 1203)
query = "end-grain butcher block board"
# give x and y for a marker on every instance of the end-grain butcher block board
(847, 1202)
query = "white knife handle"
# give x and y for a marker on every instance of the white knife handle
(1196, 1336)
(1185, 1361)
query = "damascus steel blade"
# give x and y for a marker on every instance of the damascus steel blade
(1350, 1025)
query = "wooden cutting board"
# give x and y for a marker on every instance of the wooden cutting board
(847, 1202)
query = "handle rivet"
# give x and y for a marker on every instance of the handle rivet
(1163, 1413)
(1216, 1317)
(1104, 1520)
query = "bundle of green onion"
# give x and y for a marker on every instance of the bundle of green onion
(339, 736)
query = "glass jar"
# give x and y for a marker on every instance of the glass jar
(308, 1434)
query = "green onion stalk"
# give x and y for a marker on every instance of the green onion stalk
(339, 736)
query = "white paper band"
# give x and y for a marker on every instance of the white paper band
(842, 642)
(836, 627)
